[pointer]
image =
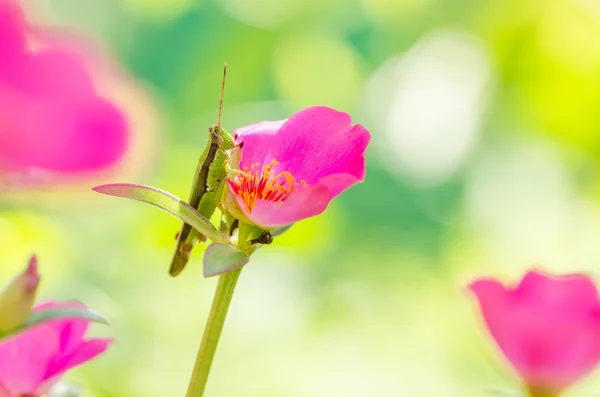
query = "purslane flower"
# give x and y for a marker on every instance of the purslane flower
(32, 361)
(547, 327)
(291, 169)
(51, 117)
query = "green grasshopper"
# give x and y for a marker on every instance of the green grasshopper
(207, 187)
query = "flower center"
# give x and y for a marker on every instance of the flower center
(260, 183)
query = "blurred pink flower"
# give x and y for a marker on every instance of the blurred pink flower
(35, 359)
(50, 115)
(547, 327)
(292, 169)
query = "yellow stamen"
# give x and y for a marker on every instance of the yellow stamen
(253, 185)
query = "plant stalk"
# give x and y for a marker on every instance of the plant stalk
(537, 392)
(212, 332)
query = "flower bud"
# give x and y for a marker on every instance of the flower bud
(16, 299)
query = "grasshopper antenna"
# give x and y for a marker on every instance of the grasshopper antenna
(222, 91)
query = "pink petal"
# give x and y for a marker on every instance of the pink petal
(302, 203)
(571, 293)
(41, 75)
(337, 183)
(48, 121)
(547, 327)
(314, 143)
(494, 301)
(3, 391)
(319, 141)
(12, 33)
(256, 139)
(98, 137)
(489, 293)
(259, 129)
(572, 351)
(84, 352)
(70, 331)
(24, 360)
(86, 135)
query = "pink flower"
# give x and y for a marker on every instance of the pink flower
(35, 359)
(547, 327)
(292, 169)
(51, 117)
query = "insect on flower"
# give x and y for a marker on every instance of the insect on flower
(263, 179)
(207, 187)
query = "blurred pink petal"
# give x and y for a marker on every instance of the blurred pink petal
(292, 169)
(71, 332)
(50, 115)
(547, 327)
(33, 360)
(12, 32)
(24, 360)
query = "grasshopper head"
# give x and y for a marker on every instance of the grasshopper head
(221, 138)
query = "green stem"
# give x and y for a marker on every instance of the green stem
(537, 392)
(212, 332)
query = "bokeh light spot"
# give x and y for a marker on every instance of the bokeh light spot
(262, 13)
(390, 12)
(429, 103)
(161, 10)
(316, 68)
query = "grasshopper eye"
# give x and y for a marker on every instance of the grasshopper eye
(215, 137)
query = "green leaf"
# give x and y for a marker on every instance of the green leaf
(166, 202)
(278, 231)
(41, 316)
(222, 258)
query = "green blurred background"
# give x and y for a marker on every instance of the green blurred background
(485, 145)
